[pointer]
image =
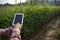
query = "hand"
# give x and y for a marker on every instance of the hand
(18, 26)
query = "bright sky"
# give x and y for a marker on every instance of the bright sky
(10, 1)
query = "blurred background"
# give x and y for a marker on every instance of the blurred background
(37, 15)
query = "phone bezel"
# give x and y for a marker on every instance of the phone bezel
(15, 17)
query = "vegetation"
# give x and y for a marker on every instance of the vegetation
(58, 35)
(34, 16)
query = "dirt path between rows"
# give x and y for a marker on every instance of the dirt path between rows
(50, 29)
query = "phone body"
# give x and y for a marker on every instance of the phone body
(18, 18)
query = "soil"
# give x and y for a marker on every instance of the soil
(49, 30)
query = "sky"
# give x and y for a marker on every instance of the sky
(10, 1)
(13, 1)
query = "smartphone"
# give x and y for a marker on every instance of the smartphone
(18, 18)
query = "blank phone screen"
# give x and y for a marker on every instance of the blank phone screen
(18, 19)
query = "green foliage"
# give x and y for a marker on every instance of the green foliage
(35, 16)
(58, 35)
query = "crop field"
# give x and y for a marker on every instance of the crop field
(35, 16)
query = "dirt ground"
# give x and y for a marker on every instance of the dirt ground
(49, 30)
